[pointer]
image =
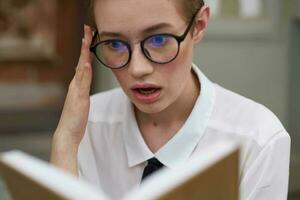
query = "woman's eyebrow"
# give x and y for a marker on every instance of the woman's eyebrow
(110, 34)
(144, 32)
(157, 27)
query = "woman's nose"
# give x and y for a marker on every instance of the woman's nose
(139, 66)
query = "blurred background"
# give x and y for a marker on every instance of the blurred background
(251, 47)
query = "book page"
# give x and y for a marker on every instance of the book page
(32, 178)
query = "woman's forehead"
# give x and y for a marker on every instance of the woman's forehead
(135, 15)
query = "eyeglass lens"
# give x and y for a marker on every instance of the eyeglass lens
(113, 53)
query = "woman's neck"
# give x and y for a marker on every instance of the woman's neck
(170, 120)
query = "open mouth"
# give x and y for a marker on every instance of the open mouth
(147, 91)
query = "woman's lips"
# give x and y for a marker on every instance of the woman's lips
(146, 93)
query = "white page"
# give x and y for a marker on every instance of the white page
(52, 177)
(250, 8)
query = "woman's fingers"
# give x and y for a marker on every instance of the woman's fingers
(86, 80)
(79, 68)
(88, 37)
(85, 55)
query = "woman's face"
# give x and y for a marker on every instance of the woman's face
(151, 87)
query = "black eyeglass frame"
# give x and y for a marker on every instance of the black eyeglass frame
(179, 40)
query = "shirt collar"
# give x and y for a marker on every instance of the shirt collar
(179, 148)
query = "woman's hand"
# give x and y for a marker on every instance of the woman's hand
(73, 121)
(76, 108)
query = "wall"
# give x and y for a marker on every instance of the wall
(33, 83)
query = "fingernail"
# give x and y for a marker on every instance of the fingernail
(85, 27)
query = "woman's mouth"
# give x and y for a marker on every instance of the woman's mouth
(146, 93)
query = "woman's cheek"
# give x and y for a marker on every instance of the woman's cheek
(120, 75)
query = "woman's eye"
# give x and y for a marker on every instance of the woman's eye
(158, 41)
(116, 45)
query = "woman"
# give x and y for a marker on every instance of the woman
(167, 109)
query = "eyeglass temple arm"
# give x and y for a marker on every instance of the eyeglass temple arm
(181, 38)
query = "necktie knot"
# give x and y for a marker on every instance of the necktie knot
(152, 166)
(155, 162)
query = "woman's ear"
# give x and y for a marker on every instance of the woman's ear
(201, 22)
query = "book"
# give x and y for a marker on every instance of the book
(213, 175)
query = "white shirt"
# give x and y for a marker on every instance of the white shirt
(113, 154)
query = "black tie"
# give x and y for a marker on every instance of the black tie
(152, 166)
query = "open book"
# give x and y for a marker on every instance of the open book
(213, 175)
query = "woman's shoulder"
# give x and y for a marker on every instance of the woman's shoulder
(244, 116)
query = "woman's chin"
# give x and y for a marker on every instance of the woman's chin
(154, 108)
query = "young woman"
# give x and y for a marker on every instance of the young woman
(166, 111)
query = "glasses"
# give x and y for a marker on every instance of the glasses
(158, 48)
